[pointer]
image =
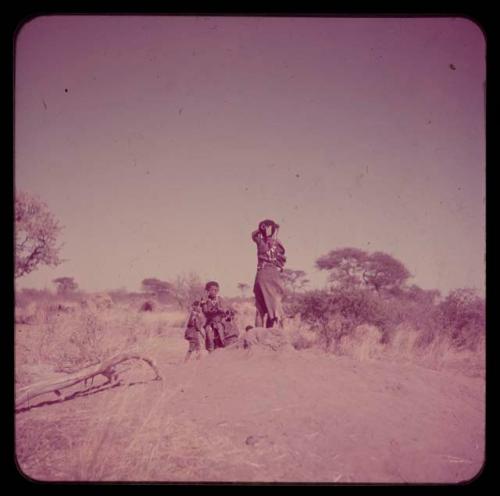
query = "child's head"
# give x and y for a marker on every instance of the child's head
(195, 305)
(212, 288)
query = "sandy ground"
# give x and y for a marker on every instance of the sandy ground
(263, 416)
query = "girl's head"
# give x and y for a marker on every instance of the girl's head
(268, 227)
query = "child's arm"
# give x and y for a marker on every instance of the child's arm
(223, 305)
(226, 309)
(199, 323)
(203, 307)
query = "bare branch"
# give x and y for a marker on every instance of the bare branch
(106, 369)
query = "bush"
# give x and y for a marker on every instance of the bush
(463, 319)
(147, 306)
(71, 342)
(39, 296)
(338, 312)
(410, 324)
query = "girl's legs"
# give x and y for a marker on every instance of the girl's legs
(272, 322)
(259, 319)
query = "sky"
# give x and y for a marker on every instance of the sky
(160, 142)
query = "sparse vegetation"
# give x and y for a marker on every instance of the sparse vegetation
(60, 333)
(370, 291)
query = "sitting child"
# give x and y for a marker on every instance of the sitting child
(194, 330)
(215, 313)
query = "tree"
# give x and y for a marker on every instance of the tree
(161, 289)
(345, 266)
(384, 272)
(418, 295)
(36, 232)
(65, 285)
(243, 287)
(187, 288)
(353, 268)
(294, 279)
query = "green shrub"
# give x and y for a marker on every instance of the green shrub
(338, 312)
(463, 319)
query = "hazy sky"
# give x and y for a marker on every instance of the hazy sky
(160, 143)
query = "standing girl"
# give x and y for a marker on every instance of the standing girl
(268, 286)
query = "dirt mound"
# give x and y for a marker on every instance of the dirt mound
(274, 339)
(237, 415)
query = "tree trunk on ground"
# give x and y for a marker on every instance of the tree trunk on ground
(107, 369)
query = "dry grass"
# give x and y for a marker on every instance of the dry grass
(165, 318)
(245, 314)
(364, 343)
(52, 341)
(301, 336)
(410, 346)
(64, 342)
(134, 433)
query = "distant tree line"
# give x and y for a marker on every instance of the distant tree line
(373, 289)
(362, 287)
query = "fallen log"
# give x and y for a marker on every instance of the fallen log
(106, 368)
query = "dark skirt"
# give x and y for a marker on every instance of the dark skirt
(269, 291)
